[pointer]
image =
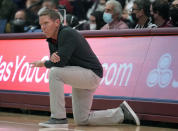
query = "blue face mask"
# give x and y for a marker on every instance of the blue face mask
(107, 17)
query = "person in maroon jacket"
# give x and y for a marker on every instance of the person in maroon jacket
(73, 62)
(160, 12)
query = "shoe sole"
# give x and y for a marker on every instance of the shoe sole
(53, 125)
(137, 121)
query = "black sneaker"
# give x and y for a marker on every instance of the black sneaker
(129, 114)
(53, 123)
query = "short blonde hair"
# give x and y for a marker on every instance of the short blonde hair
(53, 14)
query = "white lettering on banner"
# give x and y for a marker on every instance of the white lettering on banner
(5, 78)
(26, 73)
(124, 67)
(37, 79)
(114, 66)
(24, 70)
(114, 73)
(35, 72)
(46, 80)
(105, 67)
(5, 67)
(117, 71)
(30, 78)
(17, 66)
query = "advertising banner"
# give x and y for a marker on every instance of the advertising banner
(159, 77)
(140, 67)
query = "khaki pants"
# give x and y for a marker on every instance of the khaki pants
(83, 82)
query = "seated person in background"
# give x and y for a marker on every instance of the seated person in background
(141, 14)
(112, 16)
(22, 24)
(127, 18)
(160, 12)
(126, 13)
(19, 22)
(95, 21)
(174, 13)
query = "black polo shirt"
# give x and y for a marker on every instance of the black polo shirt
(73, 50)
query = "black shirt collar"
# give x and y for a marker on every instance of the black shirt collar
(53, 40)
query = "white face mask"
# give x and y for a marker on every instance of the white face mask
(92, 26)
(107, 17)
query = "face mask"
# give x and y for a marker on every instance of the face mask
(107, 17)
(133, 15)
(130, 19)
(92, 26)
(18, 25)
(18, 22)
(174, 16)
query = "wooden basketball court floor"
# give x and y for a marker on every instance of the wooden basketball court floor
(10, 121)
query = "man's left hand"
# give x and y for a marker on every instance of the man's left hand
(37, 64)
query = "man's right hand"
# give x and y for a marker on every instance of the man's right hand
(55, 58)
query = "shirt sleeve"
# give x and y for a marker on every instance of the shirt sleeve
(49, 64)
